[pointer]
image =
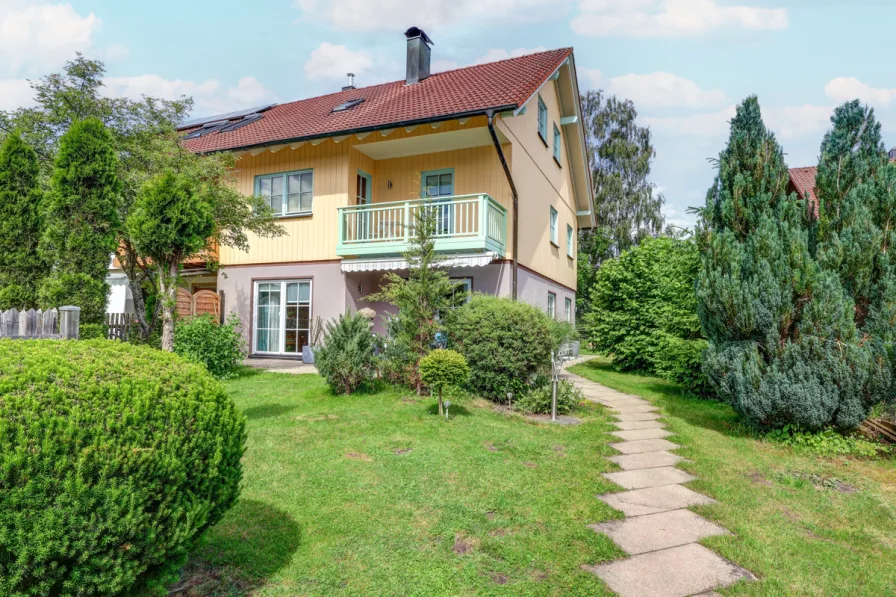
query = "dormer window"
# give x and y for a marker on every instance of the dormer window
(347, 105)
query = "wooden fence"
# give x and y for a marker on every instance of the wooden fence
(118, 325)
(59, 323)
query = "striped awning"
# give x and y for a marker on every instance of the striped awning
(388, 263)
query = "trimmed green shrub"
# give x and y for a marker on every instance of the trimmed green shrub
(680, 361)
(538, 401)
(16, 297)
(77, 289)
(506, 343)
(443, 368)
(92, 331)
(219, 348)
(114, 459)
(347, 359)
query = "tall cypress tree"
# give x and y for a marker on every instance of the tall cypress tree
(856, 215)
(21, 266)
(783, 346)
(82, 220)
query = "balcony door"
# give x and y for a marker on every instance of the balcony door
(363, 196)
(440, 183)
(282, 316)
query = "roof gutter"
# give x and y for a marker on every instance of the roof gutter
(516, 202)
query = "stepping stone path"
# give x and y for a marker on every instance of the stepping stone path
(658, 532)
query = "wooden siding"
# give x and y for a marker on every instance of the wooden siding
(542, 183)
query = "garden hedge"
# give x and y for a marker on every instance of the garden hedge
(114, 459)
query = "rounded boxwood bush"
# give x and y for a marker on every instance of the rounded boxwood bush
(114, 459)
(507, 344)
(443, 368)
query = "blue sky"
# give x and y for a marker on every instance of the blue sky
(685, 63)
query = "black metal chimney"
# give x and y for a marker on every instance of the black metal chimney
(418, 55)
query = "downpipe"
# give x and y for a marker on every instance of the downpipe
(516, 202)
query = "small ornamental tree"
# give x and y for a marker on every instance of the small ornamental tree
(21, 266)
(444, 368)
(170, 222)
(346, 358)
(422, 297)
(82, 218)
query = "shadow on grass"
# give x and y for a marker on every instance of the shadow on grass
(700, 412)
(238, 556)
(455, 410)
(264, 411)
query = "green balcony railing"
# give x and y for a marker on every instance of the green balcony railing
(464, 223)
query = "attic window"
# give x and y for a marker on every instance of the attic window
(347, 105)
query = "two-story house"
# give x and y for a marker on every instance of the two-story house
(499, 147)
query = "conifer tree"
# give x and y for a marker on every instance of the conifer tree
(856, 191)
(21, 266)
(82, 220)
(783, 346)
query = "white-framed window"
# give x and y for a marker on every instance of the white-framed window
(542, 120)
(554, 237)
(288, 193)
(570, 241)
(464, 287)
(552, 305)
(567, 304)
(282, 316)
(556, 144)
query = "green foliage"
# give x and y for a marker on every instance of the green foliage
(443, 368)
(783, 346)
(81, 216)
(14, 296)
(421, 298)
(644, 311)
(507, 344)
(78, 289)
(538, 400)
(21, 265)
(92, 331)
(346, 358)
(827, 442)
(114, 460)
(220, 348)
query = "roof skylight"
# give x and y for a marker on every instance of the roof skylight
(347, 105)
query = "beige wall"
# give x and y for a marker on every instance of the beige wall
(541, 183)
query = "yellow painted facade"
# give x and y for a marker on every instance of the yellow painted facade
(477, 169)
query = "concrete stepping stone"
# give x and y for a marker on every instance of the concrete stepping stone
(675, 572)
(636, 434)
(644, 445)
(649, 416)
(641, 534)
(629, 425)
(636, 408)
(628, 462)
(649, 477)
(653, 500)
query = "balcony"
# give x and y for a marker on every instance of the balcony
(465, 223)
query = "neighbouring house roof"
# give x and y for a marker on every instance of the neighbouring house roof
(504, 85)
(803, 181)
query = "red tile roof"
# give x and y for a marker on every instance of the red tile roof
(465, 91)
(803, 181)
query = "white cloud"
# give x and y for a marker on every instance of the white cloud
(658, 90)
(787, 122)
(670, 18)
(210, 96)
(35, 37)
(706, 124)
(844, 89)
(330, 61)
(791, 122)
(496, 54)
(440, 66)
(395, 15)
(589, 78)
(15, 93)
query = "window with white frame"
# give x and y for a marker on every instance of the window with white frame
(288, 193)
(556, 144)
(570, 241)
(463, 287)
(552, 305)
(282, 316)
(554, 237)
(567, 303)
(542, 120)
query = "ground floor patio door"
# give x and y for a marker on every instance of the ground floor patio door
(282, 316)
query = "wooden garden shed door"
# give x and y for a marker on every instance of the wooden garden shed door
(199, 303)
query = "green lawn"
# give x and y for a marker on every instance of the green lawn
(804, 525)
(375, 495)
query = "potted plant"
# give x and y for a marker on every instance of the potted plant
(315, 335)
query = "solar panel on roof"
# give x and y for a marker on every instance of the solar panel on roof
(187, 124)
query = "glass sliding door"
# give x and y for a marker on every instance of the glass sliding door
(282, 316)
